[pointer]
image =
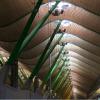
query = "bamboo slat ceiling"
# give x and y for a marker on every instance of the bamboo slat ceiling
(84, 45)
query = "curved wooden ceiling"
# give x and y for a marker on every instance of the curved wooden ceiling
(83, 31)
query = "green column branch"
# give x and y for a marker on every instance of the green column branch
(42, 56)
(61, 81)
(25, 40)
(48, 45)
(66, 77)
(57, 77)
(36, 29)
(62, 66)
(54, 66)
(68, 93)
(61, 90)
(52, 48)
(62, 84)
(66, 81)
(66, 87)
(37, 68)
(25, 31)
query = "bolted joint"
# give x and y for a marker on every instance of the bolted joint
(62, 44)
(61, 30)
(57, 12)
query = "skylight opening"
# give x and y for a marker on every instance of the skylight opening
(61, 5)
(64, 23)
(67, 35)
(59, 9)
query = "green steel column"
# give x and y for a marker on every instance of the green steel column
(57, 88)
(36, 29)
(23, 42)
(46, 81)
(66, 87)
(47, 47)
(54, 66)
(14, 55)
(67, 84)
(37, 68)
(51, 49)
(62, 65)
(25, 31)
(66, 77)
(60, 82)
(66, 81)
(67, 90)
(65, 94)
(57, 77)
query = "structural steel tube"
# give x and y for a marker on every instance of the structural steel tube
(36, 29)
(24, 34)
(54, 66)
